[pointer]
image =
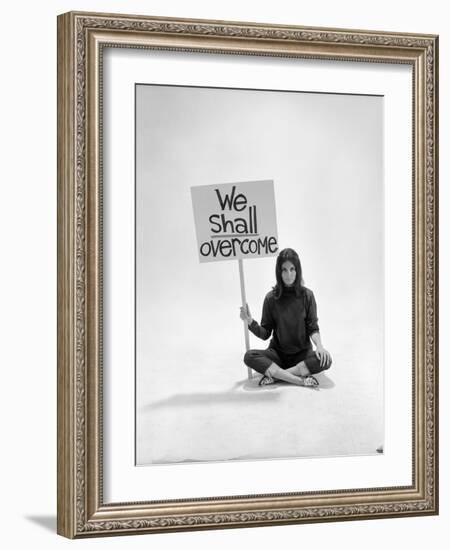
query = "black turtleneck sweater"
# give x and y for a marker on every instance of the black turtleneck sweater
(291, 319)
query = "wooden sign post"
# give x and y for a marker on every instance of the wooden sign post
(235, 221)
(244, 305)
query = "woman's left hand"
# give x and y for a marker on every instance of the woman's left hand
(324, 356)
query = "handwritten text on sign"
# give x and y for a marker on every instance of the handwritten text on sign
(235, 220)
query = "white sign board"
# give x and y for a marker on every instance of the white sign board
(235, 220)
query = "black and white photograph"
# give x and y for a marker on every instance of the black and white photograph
(226, 249)
(259, 274)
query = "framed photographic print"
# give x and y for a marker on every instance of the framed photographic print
(247, 274)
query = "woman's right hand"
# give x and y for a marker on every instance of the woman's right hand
(245, 314)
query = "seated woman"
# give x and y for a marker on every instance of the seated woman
(290, 316)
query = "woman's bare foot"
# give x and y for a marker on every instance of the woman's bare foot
(266, 380)
(309, 381)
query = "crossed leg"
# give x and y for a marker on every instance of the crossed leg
(287, 375)
(267, 362)
(300, 369)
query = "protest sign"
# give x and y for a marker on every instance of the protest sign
(234, 221)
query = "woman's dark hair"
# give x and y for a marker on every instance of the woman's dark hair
(288, 255)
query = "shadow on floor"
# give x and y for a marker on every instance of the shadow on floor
(325, 383)
(46, 522)
(239, 393)
(232, 395)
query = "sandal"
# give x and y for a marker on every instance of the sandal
(310, 381)
(266, 381)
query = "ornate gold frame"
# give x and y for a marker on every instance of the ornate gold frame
(81, 510)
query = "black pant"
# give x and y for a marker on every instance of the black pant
(261, 359)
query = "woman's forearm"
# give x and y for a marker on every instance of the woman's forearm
(317, 341)
(322, 354)
(259, 331)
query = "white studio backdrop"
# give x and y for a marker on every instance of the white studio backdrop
(28, 225)
(329, 194)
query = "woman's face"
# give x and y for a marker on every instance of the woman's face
(288, 273)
